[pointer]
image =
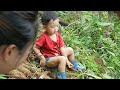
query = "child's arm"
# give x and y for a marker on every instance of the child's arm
(36, 49)
(63, 52)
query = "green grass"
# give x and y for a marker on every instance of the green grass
(92, 36)
(3, 76)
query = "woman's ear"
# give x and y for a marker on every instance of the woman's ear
(8, 58)
(9, 52)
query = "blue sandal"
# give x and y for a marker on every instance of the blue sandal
(60, 75)
(76, 66)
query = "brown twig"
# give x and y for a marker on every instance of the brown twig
(96, 77)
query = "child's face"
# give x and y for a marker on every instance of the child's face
(52, 26)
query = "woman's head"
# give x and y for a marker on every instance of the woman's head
(17, 33)
(50, 22)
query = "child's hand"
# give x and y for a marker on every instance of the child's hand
(42, 62)
(70, 65)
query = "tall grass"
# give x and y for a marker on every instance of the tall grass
(96, 41)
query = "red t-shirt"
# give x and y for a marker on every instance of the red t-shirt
(48, 47)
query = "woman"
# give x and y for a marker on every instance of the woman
(17, 34)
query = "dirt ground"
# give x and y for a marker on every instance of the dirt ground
(31, 69)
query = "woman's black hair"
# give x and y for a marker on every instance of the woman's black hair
(18, 27)
(47, 16)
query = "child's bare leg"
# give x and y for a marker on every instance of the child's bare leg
(70, 53)
(59, 61)
(71, 58)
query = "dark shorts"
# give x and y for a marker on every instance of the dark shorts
(47, 59)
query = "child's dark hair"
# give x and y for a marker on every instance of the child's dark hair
(18, 27)
(47, 16)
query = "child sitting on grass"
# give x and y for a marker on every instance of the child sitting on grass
(49, 47)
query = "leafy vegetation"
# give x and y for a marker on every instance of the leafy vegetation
(96, 42)
(95, 38)
(3, 76)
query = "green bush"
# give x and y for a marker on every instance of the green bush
(93, 35)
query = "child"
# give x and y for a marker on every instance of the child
(50, 49)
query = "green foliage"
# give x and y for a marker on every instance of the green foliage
(3, 76)
(93, 36)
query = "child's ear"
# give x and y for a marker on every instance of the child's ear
(9, 52)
